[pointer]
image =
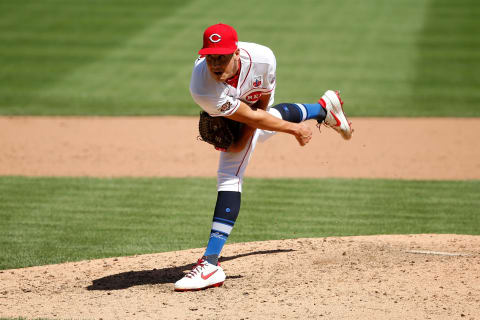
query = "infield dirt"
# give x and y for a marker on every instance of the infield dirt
(433, 148)
(375, 277)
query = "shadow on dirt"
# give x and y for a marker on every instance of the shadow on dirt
(159, 276)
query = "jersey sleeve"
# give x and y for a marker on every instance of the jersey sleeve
(271, 71)
(214, 105)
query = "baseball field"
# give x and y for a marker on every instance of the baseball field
(107, 195)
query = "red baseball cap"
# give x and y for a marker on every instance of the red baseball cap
(219, 39)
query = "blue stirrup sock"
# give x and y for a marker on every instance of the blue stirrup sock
(298, 112)
(224, 217)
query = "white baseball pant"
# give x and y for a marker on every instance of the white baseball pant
(232, 165)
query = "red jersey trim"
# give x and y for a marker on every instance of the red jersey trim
(233, 81)
(245, 155)
(249, 67)
(258, 89)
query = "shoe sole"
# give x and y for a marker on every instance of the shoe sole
(219, 284)
(336, 100)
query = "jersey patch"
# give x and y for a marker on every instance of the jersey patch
(257, 81)
(226, 106)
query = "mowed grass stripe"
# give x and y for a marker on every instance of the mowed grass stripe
(72, 219)
(135, 58)
(35, 38)
(351, 207)
(51, 220)
(448, 68)
(361, 49)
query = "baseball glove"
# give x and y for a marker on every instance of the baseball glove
(218, 131)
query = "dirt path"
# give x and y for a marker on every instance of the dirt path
(376, 277)
(381, 148)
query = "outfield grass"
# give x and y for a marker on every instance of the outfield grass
(51, 220)
(118, 57)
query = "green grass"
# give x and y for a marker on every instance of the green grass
(118, 57)
(51, 220)
(448, 64)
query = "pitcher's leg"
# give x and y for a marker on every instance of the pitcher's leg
(328, 111)
(294, 112)
(230, 177)
(232, 166)
(224, 217)
(298, 112)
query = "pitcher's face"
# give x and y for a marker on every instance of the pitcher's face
(223, 66)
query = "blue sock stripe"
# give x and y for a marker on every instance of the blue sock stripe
(314, 110)
(216, 243)
(229, 222)
(220, 232)
(308, 113)
(224, 216)
(307, 117)
(303, 111)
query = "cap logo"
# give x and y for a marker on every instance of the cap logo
(215, 37)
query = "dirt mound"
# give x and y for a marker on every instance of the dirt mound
(377, 277)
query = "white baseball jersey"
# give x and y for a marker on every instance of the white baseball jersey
(257, 77)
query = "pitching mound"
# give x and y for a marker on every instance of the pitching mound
(376, 277)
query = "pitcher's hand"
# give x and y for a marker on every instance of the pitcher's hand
(303, 134)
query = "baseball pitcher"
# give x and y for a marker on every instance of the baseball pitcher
(234, 83)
